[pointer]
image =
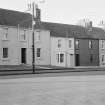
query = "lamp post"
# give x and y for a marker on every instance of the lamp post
(33, 38)
(33, 7)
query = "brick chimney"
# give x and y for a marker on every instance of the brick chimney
(90, 26)
(38, 15)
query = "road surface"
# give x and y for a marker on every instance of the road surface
(60, 90)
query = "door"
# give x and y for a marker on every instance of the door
(77, 61)
(23, 55)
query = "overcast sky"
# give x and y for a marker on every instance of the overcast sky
(63, 11)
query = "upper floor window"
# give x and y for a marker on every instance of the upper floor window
(59, 43)
(38, 52)
(70, 43)
(23, 35)
(5, 52)
(5, 33)
(77, 44)
(37, 34)
(90, 44)
(102, 43)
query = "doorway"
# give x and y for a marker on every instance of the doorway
(23, 55)
(77, 60)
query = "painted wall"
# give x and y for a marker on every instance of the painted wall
(43, 43)
(85, 52)
(64, 49)
(14, 43)
(11, 43)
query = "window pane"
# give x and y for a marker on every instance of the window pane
(23, 35)
(77, 44)
(59, 43)
(90, 43)
(57, 57)
(61, 58)
(102, 58)
(38, 52)
(102, 43)
(5, 52)
(37, 34)
(5, 33)
(70, 42)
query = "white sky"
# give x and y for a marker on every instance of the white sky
(63, 11)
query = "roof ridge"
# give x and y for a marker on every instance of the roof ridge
(10, 10)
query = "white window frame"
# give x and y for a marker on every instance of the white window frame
(5, 57)
(103, 58)
(70, 43)
(59, 59)
(90, 44)
(77, 43)
(37, 34)
(5, 33)
(22, 34)
(38, 52)
(102, 46)
(59, 43)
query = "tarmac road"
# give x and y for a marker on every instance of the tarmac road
(55, 90)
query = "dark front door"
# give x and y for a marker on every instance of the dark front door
(23, 55)
(77, 62)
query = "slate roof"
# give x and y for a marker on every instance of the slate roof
(13, 18)
(65, 30)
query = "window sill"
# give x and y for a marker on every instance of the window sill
(5, 39)
(38, 58)
(23, 40)
(5, 59)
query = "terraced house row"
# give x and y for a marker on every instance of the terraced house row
(55, 43)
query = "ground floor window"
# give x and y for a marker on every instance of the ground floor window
(5, 52)
(60, 57)
(38, 52)
(102, 58)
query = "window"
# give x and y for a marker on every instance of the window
(77, 44)
(102, 58)
(57, 57)
(91, 58)
(70, 43)
(5, 52)
(5, 33)
(23, 35)
(90, 44)
(102, 43)
(37, 34)
(60, 58)
(38, 52)
(59, 43)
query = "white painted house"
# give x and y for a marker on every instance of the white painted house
(62, 52)
(54, 42)
(16, 40)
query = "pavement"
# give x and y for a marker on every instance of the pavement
(27, 69)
